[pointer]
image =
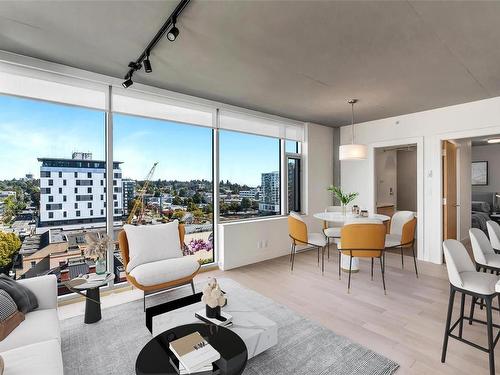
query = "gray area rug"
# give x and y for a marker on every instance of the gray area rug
(111, 346)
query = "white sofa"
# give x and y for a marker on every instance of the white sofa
(34, 347)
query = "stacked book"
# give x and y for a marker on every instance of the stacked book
(193, 355)
(224, 319)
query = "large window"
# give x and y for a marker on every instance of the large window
(181, 184)
(249, 176)
(293, 164)
(45, 146)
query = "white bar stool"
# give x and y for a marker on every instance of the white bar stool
(465, 279)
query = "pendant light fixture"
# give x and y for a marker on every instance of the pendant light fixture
(353, 151)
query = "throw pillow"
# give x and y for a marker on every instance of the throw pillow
(150, 243)
(10, 318)
(24, 298)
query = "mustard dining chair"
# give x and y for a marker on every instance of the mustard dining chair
(404, 240)
(362, 240)
(297, 230)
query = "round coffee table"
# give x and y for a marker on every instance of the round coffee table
(154, 357)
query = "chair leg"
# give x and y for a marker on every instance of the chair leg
(350, 272)
(328, 239)
(414, 259)
(402, 258)
(491, 348)
(340, 260)
(372, 270)
(382, 269)
(448, 322)
(293, 255)
(461, 324)
(144, 301)
(323, 260)
(192, 287)
(472, 308)
(291, 251)
(318, 255)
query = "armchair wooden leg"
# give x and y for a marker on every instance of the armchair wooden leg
(192, 287)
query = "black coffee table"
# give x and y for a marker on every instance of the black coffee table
(154, 357)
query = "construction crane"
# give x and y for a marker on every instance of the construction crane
(139, 200)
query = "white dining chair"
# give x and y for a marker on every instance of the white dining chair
(332, 231)
(465, 279)
(494, 234)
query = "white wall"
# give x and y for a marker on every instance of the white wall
(386, 165)
(459, 121)
(464, 187)
(257, 240)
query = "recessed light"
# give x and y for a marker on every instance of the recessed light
(494, 140)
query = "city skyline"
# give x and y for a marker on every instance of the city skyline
(30, 128)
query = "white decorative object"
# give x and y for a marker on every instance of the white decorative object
(353, 151)
(212, 294)
(151, 243)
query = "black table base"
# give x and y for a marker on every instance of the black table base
(93, 306)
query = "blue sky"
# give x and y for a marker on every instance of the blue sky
(31, 129)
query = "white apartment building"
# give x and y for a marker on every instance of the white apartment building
(73, 191)
(250, 194)
(270, 193)
(128, 193)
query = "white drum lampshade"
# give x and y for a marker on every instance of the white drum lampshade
(353, 152)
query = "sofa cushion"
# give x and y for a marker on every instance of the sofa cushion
(24, 298)
(7, 305)
(150, 243)
(164, 271)
(42, 358)
(38, 326)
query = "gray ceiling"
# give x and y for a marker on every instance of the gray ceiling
(299, 59)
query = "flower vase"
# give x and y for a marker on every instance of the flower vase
(212, 312)
(100, 266)
(344, 210)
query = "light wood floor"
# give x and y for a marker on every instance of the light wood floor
(406, 325)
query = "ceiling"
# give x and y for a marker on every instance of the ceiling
(483, 141)
(298, 59)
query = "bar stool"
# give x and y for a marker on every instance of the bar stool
(494, 234)
(465, 279)
(484, 255)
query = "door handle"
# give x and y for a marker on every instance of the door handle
(457, 205)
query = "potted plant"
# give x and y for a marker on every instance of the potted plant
(97, 247)
(214, 298)
(344, 198)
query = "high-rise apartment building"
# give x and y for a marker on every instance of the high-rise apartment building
(269, 201)
(73, 191)
(128, 193)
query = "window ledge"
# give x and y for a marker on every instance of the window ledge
(251, 220)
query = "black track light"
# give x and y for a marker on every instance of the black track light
(147, 65)
(128, 81)
(173, 33)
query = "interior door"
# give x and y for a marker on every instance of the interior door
(449, 190)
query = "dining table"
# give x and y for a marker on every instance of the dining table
(339, 219)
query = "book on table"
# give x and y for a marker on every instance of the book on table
(224, 320)
(194, 352)
(181, 370)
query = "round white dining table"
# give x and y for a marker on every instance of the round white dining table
(340, 219)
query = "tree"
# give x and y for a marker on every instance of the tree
(9, 245)
(178, 215)
(234, 206)
(177, 201)
(245, 204)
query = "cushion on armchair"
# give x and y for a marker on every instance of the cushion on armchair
(10, 318)
(151, 243)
